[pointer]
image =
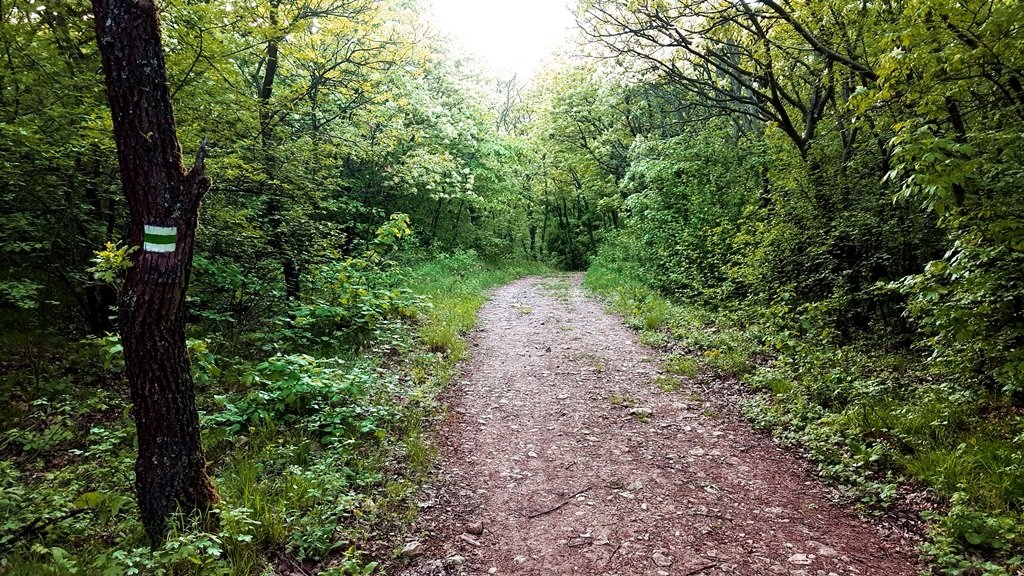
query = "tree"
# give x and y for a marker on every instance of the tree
(732, 56)
(56, 163)
(163, 201)
(326, 64)
(955, 71)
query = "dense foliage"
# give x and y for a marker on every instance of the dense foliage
(820, 197)
(360, 174)
(837, 184)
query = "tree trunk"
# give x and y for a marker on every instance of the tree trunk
(280, 241)
(458, 221)
(544, 226)
(436, 220)
(163, 203)
(98, 305)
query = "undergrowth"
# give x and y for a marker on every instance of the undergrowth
(874, 420)
(314, 426)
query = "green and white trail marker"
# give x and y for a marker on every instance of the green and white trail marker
(160, 238)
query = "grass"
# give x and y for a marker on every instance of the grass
(317, 458)
(667, 383)
(624, 400)
(681, 365)
(559, 288)
(456, 286)
(638, 413)
(872, 419)
(700, 334)
(523, 310)
(596, 363)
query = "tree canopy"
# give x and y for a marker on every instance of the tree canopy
(838, 181)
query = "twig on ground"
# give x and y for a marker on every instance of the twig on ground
(560, 504)
(39, 525)
(710, 515)
(292, 564)
(699, 570)
(612, 555)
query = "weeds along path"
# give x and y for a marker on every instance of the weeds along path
(564, 447)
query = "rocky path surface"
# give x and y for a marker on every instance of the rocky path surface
(563, 457)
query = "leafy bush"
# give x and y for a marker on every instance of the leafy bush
(348, 298)
(686, 197)
(326, 396)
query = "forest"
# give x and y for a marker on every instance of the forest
(227, 335)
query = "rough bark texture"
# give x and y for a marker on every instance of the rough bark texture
(171, 466)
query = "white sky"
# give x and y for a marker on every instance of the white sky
(508, 36)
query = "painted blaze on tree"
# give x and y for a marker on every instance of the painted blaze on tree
(163, 201)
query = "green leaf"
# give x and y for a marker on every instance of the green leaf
(974, 538)
(90, 500)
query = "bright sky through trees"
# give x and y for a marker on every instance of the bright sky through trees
(509, 36)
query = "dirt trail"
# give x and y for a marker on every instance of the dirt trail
(576, 463)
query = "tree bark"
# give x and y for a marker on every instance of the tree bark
(163, 202)
(291, 270)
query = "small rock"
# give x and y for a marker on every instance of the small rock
(801, 559)
(412, 550)
(454, 561)
(475, 528)
(822, 549)
(661, 560)
(492, 570)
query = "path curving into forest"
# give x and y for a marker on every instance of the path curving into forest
(575, 462)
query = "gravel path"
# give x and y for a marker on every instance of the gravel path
(574, 462)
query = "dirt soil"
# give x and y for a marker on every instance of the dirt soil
(562, 456)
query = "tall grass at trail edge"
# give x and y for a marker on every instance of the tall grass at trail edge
(317, 434)
(456, 286)
(876, 421)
